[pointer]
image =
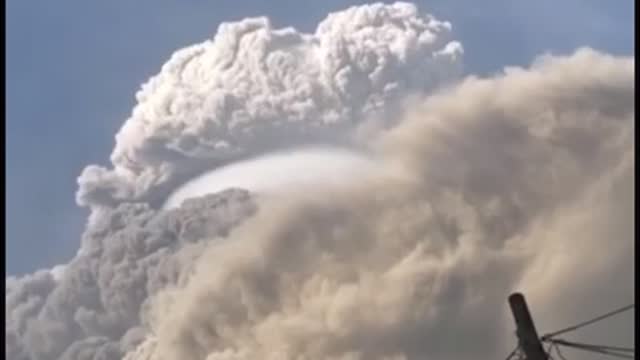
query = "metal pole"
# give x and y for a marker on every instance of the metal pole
(526, 330)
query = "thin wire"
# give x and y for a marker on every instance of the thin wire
(604, 347)
(604, 351)
(608, 348)
(560, 355)
(610, 353)
(589, 348)
(549, 357)
(622, 356)
(575, 327)
(513, 353)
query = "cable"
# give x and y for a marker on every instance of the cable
(575, 327)
(603, 347)
(549, 357)
(513, 353)
(593, 349)
(608, 348)
(622, 356)
(557, 349)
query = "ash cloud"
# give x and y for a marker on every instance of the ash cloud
(254, 88)
(93, 311)
(492, 185)
(483, 182)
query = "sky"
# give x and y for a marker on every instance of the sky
(73, 69)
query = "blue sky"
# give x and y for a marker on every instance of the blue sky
(73, 68)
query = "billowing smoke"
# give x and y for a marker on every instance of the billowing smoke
(523, 181)
(485, 184)
(131, 252)
(254, 88)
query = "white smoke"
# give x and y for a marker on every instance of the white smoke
(254, 88)
(523, 181)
